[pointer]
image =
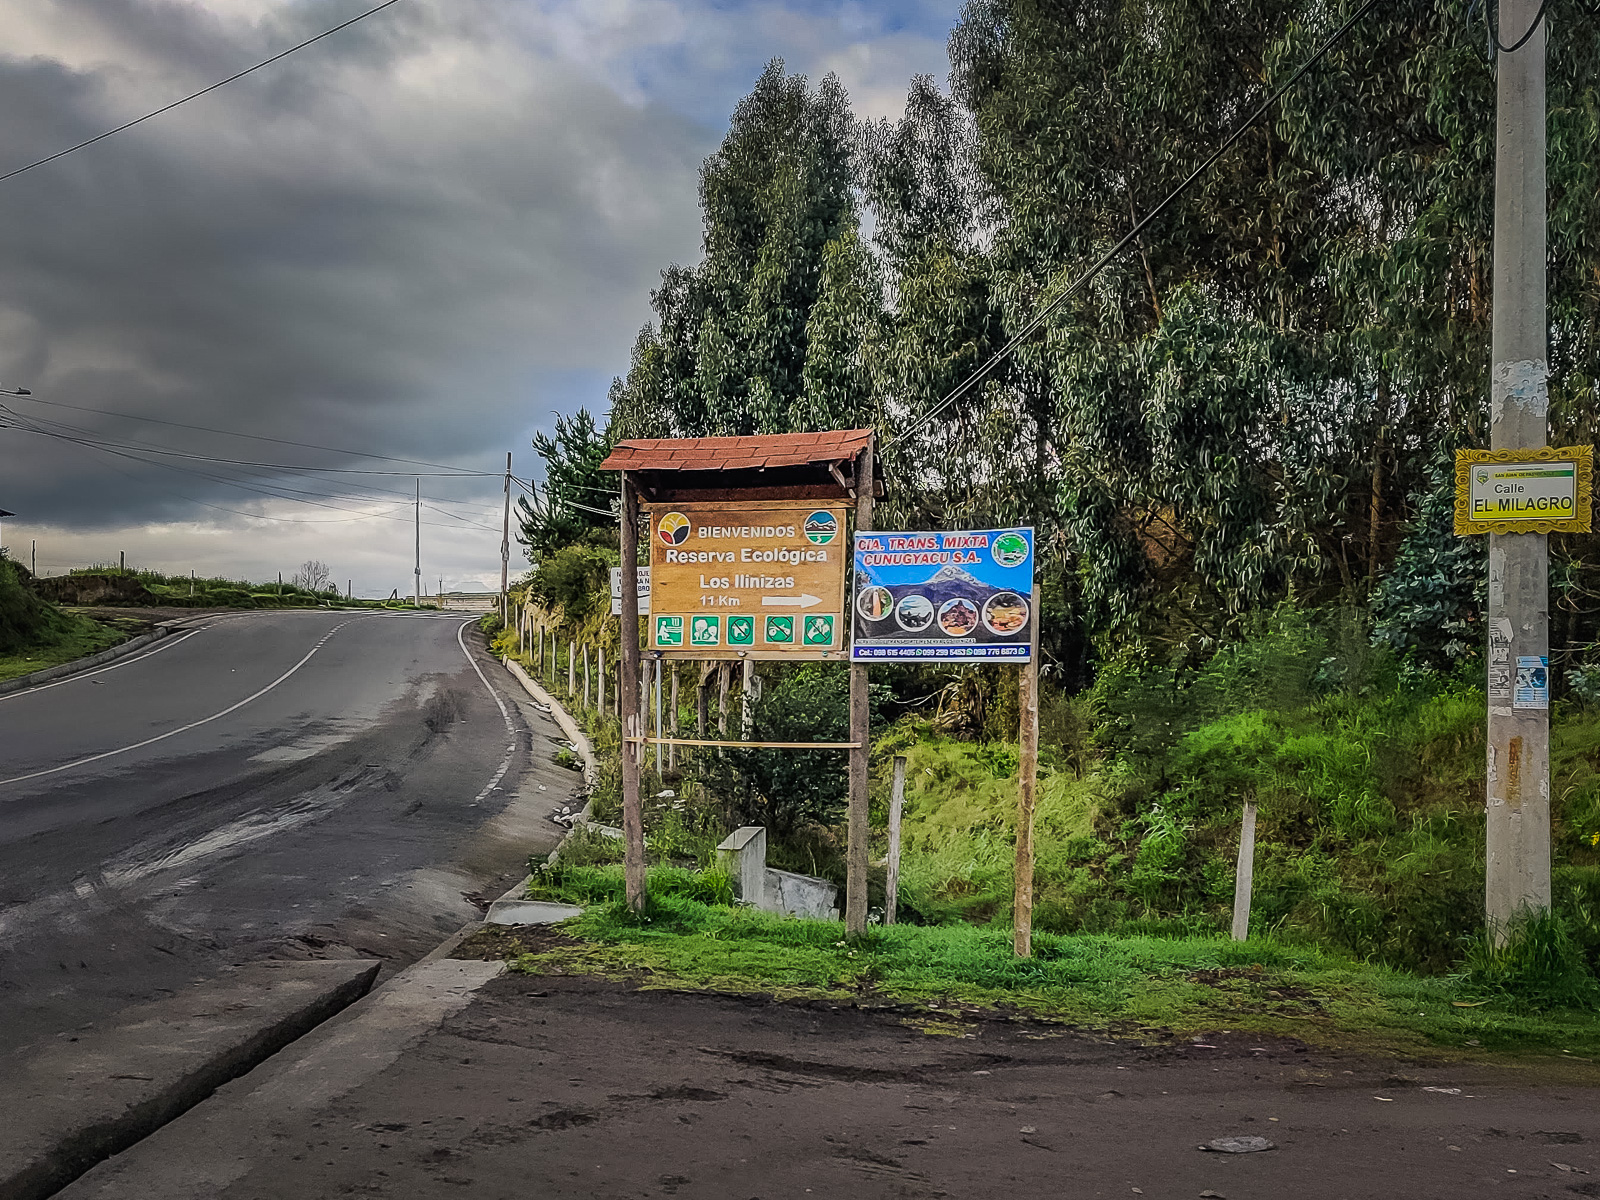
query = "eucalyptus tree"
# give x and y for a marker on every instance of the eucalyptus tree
(730, 350)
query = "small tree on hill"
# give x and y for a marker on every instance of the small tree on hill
(313, 576)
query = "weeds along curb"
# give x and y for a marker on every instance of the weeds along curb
(591, 776)
(88, 663)
(580, 740)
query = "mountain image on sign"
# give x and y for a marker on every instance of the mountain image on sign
(822, 527)
(882, 612)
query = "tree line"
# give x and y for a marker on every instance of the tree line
(1256, 402)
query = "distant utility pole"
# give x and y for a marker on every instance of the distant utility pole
(505, 550)
(1517, 878)
(416, 586)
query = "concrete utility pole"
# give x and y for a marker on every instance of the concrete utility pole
(1518, 827)
(416, 586)
(505, 546)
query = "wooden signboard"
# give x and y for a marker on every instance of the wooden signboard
(748, 579)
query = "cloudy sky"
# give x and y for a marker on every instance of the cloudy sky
(418, 238)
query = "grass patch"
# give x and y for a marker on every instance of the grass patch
(1121, 983)
(69, 637)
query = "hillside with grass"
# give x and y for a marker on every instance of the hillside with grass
(35, 634)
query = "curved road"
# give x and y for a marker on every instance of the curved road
(288, 784)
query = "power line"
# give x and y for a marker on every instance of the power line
(1491, 16)
(269, 494)
(369, 493)
(1077, 285)
(256, 437)
(289, 467)
(100, 137)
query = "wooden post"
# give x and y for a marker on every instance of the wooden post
(572, 668)
(702, 702)
(897, 801)
(600, 681)
(1244, 875)
(747, 699)
(724, 682)
(539, 671)
(586, 675)
(855, 902)
(632, 812)
(658, 717)
(672, 751)
(644, 706)
(1027, 787)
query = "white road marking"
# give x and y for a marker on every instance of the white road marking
(511, 729)
(161, 737)
(164, 644)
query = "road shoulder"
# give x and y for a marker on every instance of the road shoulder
(79, 1099)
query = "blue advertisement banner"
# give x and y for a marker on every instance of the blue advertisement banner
(952, 597)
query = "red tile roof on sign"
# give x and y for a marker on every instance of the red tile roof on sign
(737, 453)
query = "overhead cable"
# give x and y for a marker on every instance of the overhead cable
(166, 108)
(255, 437)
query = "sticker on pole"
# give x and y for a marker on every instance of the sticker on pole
(1533, 682)
(942, 596)
(1547, 489)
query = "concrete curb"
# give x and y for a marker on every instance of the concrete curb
(85, 1099)
(591, 768)
(200, 1154)
(61, 671)
(591, 776)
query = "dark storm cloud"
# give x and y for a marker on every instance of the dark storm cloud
(375, 243)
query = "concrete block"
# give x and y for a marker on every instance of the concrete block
(801, 895)
(743, 854)
(71, 1103)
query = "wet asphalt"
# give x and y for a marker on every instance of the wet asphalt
(271, 785)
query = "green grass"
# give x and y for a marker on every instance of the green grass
(1126, 985)
(73, 637)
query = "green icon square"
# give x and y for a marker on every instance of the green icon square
(819, 631)
(705, 631)
(741, 631)
(781, 630)
(669, 631)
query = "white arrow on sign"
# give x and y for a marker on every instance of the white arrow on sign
(805, 600)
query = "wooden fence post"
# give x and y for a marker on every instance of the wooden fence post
(1244, 875)
(897, 801)
(672, 750)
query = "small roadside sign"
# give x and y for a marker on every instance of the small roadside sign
(616, 591)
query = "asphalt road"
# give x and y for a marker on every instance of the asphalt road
(293, 784)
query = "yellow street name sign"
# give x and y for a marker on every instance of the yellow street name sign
(1547, 489)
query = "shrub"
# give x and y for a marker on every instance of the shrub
(575, 580)
(25, 620)
(1541, 964)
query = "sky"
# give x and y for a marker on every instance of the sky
(420, 238)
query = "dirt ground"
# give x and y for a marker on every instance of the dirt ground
(558, 1086)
